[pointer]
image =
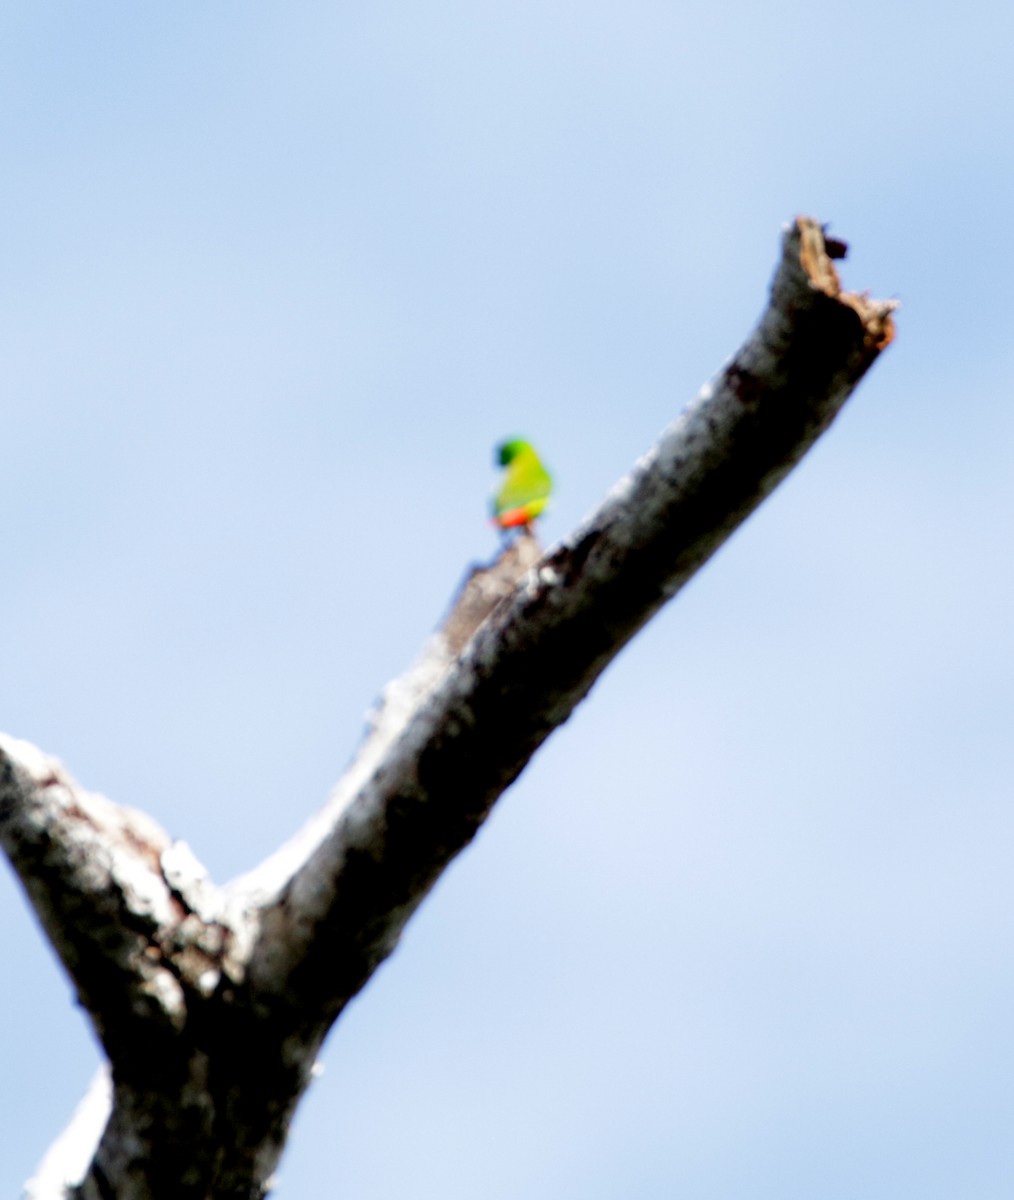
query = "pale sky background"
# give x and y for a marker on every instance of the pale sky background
(275, 279)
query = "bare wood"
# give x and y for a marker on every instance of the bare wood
(212, 1003)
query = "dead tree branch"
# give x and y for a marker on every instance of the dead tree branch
(212, 1003)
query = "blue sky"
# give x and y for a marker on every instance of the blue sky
(275, 281)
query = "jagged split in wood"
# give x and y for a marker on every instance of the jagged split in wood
(816, 250)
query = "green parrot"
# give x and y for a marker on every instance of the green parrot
(526, 485)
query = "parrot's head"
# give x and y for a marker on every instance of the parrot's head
(508, 451)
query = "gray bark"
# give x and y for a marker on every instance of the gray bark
(183, 978)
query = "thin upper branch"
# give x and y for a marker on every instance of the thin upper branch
(392, 826)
